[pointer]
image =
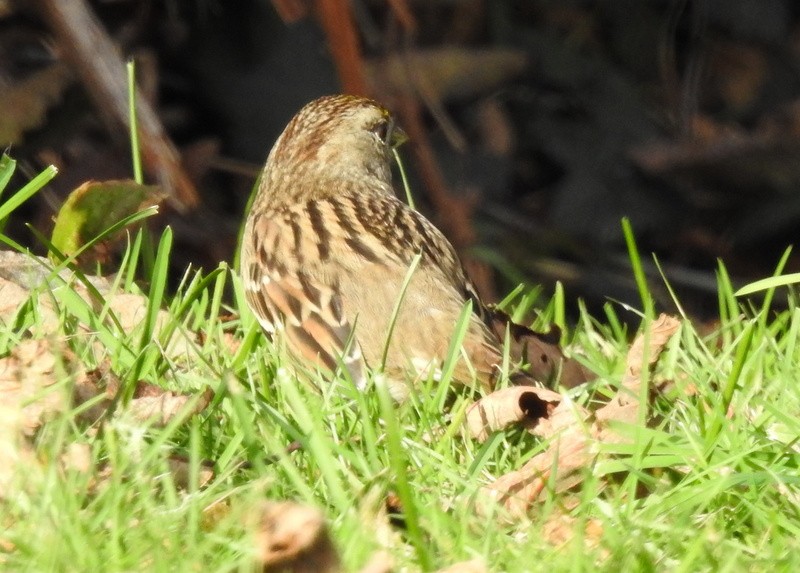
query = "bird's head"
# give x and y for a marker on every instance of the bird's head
(334, 144)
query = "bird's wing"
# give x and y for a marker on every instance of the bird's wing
(295, 257)
(278, 268)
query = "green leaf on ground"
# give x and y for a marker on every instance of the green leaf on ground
(94, 207)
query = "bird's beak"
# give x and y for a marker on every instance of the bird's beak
(395, 136)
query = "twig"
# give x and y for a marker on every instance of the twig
(336, 19)
(92, 53)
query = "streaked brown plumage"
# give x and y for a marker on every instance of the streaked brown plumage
(327, 246)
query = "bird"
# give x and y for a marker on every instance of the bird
(350, 278)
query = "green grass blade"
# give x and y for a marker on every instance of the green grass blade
(7, 167)
(134, 124)
(29, 190)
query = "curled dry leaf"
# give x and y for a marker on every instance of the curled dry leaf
(568, 454)
(574, 432)
(541, 352)
(294, 538)
(523, 405)
(624, 406)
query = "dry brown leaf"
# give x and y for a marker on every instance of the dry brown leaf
(559, 530)
(541, 352)
(473, 566)
(661, 330)
(294, 538)
(77, 458)
(100, 381)
(11, 298)
(574, 432)
(568, 454)
(153, 403)
(26, 400)
(16, 281)
(131, 310)
(149, 400)
(624, 406)
(180, 468)
(524, 405)
(25, 377)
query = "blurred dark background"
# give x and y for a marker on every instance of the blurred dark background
(536, 124)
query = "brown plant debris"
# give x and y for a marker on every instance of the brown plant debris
(294, 538)
(472, 566)
(519, 405)
(96, 59)
(540, 352)
(574, 431)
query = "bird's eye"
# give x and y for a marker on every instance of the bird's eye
(382, 130)
(389, 133)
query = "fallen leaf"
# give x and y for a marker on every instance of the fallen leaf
(99, 381)
(294, 538)
(559, 530)
(131, 310)
(94, 207)
(77, 458)
(26, 376)
(518, 405)
(181, 469)
(567, 455)
(26, 400)
(574, 431)
(473, 566)
(153, 403)
(540, 352)
(12, 296)
(624, 406)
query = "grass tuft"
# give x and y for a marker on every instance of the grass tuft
(712, 483)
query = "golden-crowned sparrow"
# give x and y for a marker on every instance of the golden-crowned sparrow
(327, 248)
